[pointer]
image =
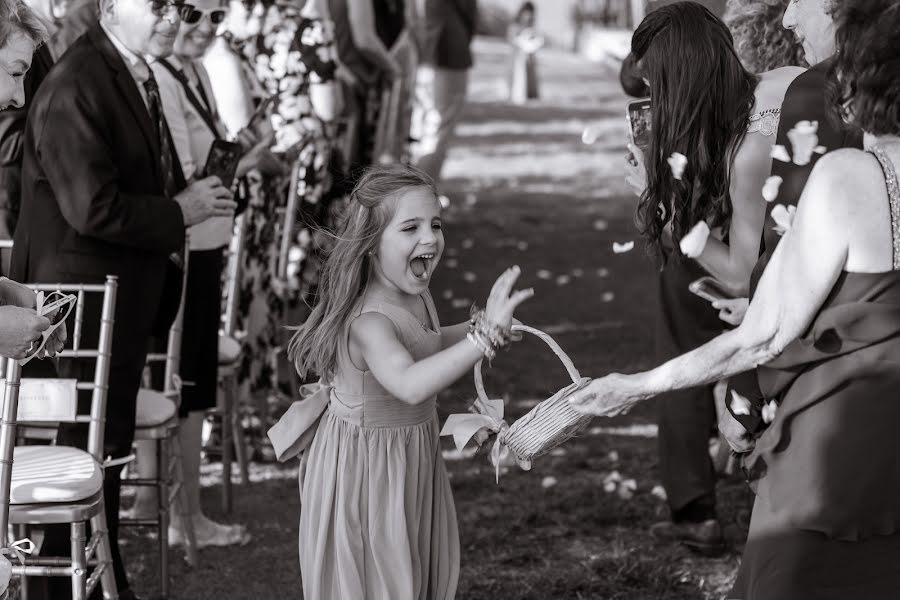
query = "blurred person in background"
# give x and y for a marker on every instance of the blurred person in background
(760, 40)
(525, 42)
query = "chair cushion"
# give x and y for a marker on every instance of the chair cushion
(229, 349)
(153, 408)
(57, 474)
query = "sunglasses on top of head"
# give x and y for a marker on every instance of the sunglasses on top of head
(191, 15)
(161, 7)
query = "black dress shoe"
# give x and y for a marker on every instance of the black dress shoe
(704, 538)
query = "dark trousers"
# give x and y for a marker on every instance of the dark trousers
(686, 418)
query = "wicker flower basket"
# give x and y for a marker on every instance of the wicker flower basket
(552, 421)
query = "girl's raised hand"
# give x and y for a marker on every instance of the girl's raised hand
(503, 301)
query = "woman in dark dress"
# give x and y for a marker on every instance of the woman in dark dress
(823, 327)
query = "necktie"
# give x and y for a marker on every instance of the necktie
(166, 155)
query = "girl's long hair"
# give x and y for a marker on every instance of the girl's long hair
(701, 102)
(315, 344)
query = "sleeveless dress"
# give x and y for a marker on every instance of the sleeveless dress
(826, 520)
(377, 519)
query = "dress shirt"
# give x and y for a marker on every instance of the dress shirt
(137, 66)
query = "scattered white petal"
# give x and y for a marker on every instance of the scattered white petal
(607, 296)
(548, 482)
(630, 484)
(590, 134)
(563, 280)
(461, 303)
(820, 149)
(660, 492)
(771, 187)
(613, 456)
(623, 248)
(614, 476)
(445, 201)
(625, 493)
(779, 152)
(677, 163)
(558, 452)
(451, 252)
(522, 246)
(610, 486)
(470, 277)
(451, 263)
(783, 217)
(602, 272)
(577, 272)
(694, 242)
(544, 274)
(601, 225)
(739, 404)
(471, 199)
(769, 410)
(803, 140)
(447, 295)
(468, 244)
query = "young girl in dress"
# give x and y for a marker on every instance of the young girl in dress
(378, 519)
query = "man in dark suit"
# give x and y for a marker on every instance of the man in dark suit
(103, 194)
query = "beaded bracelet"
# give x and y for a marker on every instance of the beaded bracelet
(498, 336)
(482, 345)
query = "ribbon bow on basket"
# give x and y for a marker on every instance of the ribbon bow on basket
(544, 427)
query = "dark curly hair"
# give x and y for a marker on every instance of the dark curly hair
(701, 101)
(760, 40)
(867, 89)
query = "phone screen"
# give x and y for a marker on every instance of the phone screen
(639, 122)
(222, 161)
(711, 289)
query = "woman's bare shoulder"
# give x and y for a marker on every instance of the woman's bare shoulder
(846, 173)
(772, 85)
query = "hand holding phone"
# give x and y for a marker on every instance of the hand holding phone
(222, 161)
(639, 122)
(711, 289)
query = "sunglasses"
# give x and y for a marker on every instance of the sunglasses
(191, 15)
(161, 7)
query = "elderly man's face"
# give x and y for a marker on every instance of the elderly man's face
(146, 27)
(15, 60)
(812, 23)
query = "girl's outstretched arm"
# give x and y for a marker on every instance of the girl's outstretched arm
(452, 334)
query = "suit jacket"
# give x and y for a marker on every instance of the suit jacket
(448, 29)
(806, 99)
(12, 132)
(92, 201)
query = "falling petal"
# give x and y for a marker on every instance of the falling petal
(779, 152)
(609, 487)
(677, 163)
(577, 272)
(558, 452)
(522, 246)
(739, 404)
(820, 149)
(768, 411)
(660, 492)
(447, 295)
(601, 225)
(563, 280)
(461, 303)
(694, 242)
(451, 252)
(607, 296)
(548, 482)
(602, 272)
(544, 274)
(613, 456)
(470, 277)
(623, 248)
(471, 199)
(445, 201)
(590, 134)
(803, 140)
(771, 187)
(625, 493)
(468, 244)
(615, 477)
(451, 263)
(783, 217)
(630, 484)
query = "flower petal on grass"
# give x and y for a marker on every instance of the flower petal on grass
(451, 263)
(563, 280)
(469, 277)
(544, 274)
(694, 242)
(522, 246)
(468, 244)
(608, 296)
(577, 272)
(613, 456)
(447, 295)
(548, 482)
(677, 163)
(771, 187)
(623, 248)
(461, 303)
(601, 225)
(602, 272)
(660, 492)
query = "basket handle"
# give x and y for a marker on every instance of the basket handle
(563, 357)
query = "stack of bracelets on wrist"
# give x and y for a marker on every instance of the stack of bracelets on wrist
(486, 336)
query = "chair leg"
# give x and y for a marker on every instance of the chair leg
(240, 442)
(104, 556)
(79, 561)
(227, 443)
(162, 487)
(187, 523)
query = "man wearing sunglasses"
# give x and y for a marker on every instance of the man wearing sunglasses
(103, 193)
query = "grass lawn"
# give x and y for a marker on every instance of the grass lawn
(525, 190)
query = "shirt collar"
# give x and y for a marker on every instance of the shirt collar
(137, 65)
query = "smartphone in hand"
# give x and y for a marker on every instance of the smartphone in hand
(711, 289)
(639, 122)
(222, 161)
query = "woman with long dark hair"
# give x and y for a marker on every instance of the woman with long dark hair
(721, 120)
